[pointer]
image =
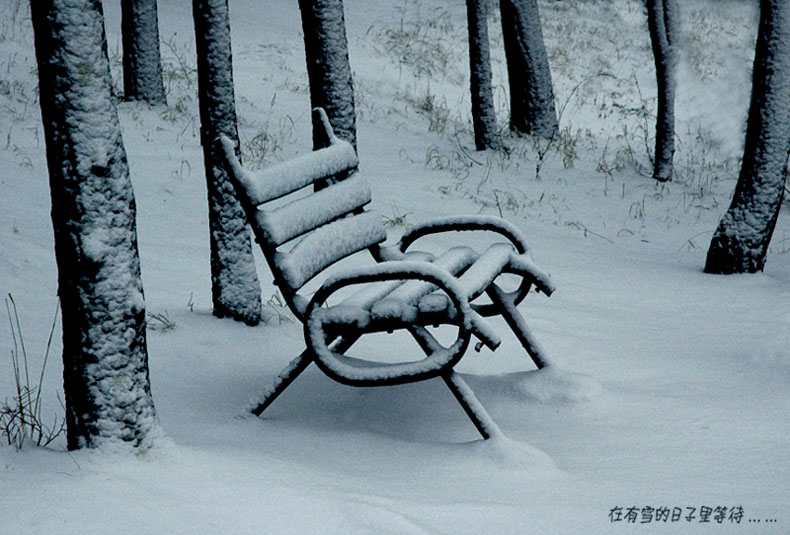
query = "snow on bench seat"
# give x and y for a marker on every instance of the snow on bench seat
(485, 269)
(405, 301)
(373, 291)
(452, 261)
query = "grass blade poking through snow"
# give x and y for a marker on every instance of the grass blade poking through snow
(21, 419)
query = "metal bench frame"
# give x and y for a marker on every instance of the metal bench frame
(403, 290)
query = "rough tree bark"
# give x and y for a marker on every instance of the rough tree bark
(328, 69)
(105, 359)
(483, 114)
(532, 109)
(662, 18)
(741, 240)
(235, 287)
(142, 62)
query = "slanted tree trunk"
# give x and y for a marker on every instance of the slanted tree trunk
(741, 240)
(483, 114)
(532, 108)
(142, 63)
(662, 18)
(105, 359)
(328, 69)
(234, 282)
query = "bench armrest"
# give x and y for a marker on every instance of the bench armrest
(465, 224)
(521, 263)
(324, 324)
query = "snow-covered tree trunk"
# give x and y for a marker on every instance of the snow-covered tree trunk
(105, 359)
(328, 69)
(483, 114)
(741, 240)
(235, 287)
(662, 18)
(532, 109)
(142, 63)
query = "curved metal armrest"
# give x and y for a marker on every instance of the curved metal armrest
(491, 224)
(465, 224)
(356, 320)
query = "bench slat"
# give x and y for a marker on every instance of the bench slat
(303, 215)
(327, 245)
(286, 177)
(486, 268)
(453, 260)
(372, 292)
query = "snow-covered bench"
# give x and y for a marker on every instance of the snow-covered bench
(301, 235)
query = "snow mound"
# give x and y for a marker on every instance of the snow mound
(507, 452)
(550, 385)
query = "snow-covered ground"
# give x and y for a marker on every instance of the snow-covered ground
(671, 389)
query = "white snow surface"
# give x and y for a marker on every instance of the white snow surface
(670, 386)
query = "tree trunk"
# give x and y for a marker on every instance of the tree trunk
(662, 17)
(142, 63)
(483, 114)
(105, 359)
(235, 287)
(532, 108)
(741, 240)
(328, 69)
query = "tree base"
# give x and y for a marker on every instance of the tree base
(223, 312)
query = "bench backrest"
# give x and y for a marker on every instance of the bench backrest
(306, 213)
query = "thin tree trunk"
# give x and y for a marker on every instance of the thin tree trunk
(142, 63)
(662, 16)
(483, 114)
(105, 359)
(741, 241)
(235, 287)
(328, 69)
(532, 108)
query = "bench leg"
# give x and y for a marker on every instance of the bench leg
(291, 372)
(472, 407)
(516, 322)
(463, 394)
(282, 381)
